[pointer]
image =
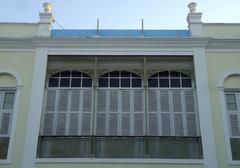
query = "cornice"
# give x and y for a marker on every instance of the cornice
(224, 44)
(101, 43)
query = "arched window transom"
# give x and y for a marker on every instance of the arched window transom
(170, 79)
(70, 79)
(123, 79)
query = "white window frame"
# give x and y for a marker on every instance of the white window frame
(18, 90)
(221, 92)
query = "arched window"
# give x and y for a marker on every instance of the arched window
(8, 90)
(232, 113)
(170, 79)
(120, 104)
(171, 105)
(70, 79)
(68, 104)
(120, 79)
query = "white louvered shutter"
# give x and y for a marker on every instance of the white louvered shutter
(101, 110)
(191, 114)
(73, 125)
(87, 111)
(165, 113)
(138, 113)
(177, 113)
(5, 124)
(234, 124)
(232, 102)
(125, 113)
(113, 112)
(48, 124)
(74, 113)
(153, 112)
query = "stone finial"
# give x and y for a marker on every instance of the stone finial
(192, 7)
(47, 7)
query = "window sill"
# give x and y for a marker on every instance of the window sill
(4, 161)
(234, 162)
(108, 160)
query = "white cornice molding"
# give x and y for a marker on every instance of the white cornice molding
(226, 44)
(81, 43)
(101, 43)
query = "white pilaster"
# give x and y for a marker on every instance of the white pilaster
(204, 106)
(35, 108)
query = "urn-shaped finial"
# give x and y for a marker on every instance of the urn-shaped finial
(192, 7)
(47, 7)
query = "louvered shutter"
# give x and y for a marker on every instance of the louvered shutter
(87, 101)
(153, 112)
(177, 113)
(113, 112)
(234, 124)
(126, 124)
(191, 124)
(48, 124)
(165, 113)
(101, 124)
(189, 101)
(178, 124)
(61, 124)
(113, 101)
(113, 124)
(232, 104)
(5, 124)
(166, 124)
(101, 110)
(138, 112)
(125, 113)
(191, 116)
(177, 102)
(73, 125)
(75, 100)
(86, 121)
(101, 101)
(63, 101)
(6, 110)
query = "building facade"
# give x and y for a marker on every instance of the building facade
(119, 98)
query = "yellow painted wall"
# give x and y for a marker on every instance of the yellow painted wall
(18, 29)
(7, 81)
(22, 63)
(218, 63)
(221, 30)
(232, 82)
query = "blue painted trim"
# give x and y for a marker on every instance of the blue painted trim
(119, 33)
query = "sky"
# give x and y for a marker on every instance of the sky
(120, 14)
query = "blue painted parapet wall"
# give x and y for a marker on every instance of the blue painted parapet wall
(119, 33)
